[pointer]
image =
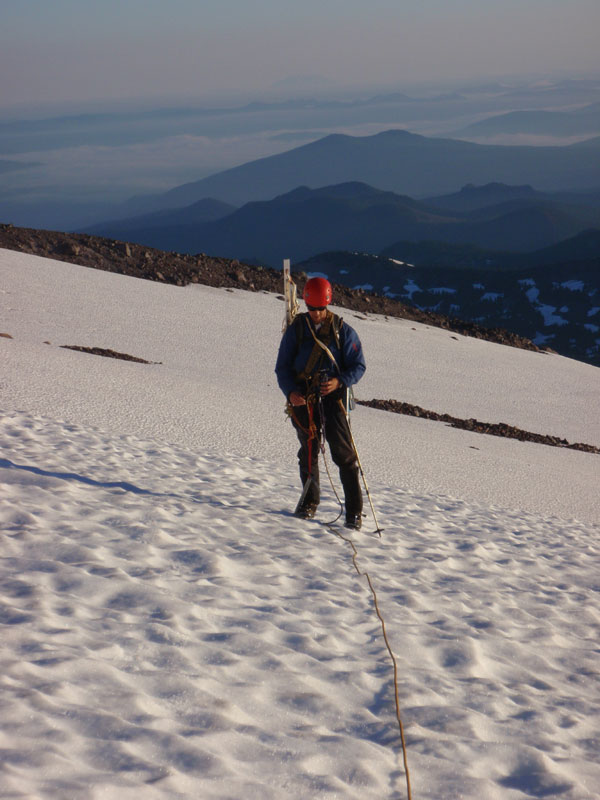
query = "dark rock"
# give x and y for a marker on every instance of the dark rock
(491, 428)
(102, 351)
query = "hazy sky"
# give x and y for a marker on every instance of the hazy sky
(56, 51)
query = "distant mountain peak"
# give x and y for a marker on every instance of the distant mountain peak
(395, 160)
(498, 188)
(399, 133)
(348, 190)
(472, 196)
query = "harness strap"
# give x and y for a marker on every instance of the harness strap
(320, 347)
(311, 430)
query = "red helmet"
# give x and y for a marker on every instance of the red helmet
(317, 292)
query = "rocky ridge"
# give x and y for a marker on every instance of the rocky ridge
(475, 426)
(180, 269)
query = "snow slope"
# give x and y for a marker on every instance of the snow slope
(168, 627)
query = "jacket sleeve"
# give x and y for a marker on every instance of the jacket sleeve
(353, 360)
(284, 367)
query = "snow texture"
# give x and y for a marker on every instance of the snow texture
(170, 630)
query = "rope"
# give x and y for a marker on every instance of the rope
(320, 439)
(389, 649)
(312, 434)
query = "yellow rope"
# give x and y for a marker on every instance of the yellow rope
(389, 649)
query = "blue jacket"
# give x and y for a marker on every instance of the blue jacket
(292, 359)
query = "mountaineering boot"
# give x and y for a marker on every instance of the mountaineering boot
(353, 521)
(352, 493)
(306, 511)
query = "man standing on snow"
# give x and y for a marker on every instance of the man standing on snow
(320, 358)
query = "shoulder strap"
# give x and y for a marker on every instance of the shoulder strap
(320, 347)
(336, 326)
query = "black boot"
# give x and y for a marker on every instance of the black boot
(353, 521)
(352, 496)
(306, 511)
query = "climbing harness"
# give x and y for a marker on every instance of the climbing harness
(331, 325)
(323, 421)
(312, 432)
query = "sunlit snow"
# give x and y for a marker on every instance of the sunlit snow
(170, 630)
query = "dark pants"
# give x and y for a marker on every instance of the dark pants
(337, 435)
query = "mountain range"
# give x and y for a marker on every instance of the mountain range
(578, 122)
(356, 216)
(395, 161)
(74, 170)
(351, 195)
(472, 197)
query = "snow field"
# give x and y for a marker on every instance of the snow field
(162, 631)
(169, 628)
(216, 388)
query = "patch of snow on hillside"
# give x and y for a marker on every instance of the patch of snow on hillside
(542, 339)
(532, 294)
(573, 286)
(410, 287)
(547, 311)
(550, 316)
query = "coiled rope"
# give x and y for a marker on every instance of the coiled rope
(389, 649)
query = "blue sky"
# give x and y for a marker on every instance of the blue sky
(86, 50)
